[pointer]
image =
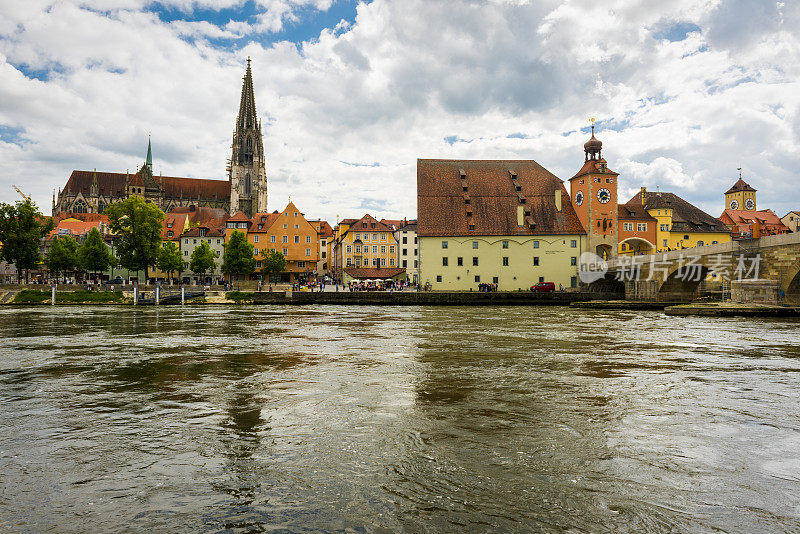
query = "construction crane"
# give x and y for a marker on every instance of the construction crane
(23, 195)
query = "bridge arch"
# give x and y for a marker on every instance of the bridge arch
(682, 284)
(792, 287)
(637, 245)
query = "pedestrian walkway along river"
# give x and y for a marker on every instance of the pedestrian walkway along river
(419, 419)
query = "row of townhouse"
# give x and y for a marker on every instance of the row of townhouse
(368, 248)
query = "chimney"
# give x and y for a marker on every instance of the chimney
(558, 199)
(644, 196)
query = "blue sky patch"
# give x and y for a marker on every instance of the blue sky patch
(677, 31)
(12, 135)
(308, 25)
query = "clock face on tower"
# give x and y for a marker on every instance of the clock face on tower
(604, 195)
(734, 204)
(749, 204)
(579, 198)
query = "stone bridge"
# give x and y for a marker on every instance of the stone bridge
(678, 276)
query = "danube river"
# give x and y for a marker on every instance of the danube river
(384, 419)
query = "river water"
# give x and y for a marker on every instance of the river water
(386, 419)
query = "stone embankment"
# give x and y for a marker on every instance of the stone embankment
(728, 309)
(425, 298)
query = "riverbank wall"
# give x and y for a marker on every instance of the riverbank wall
(426, 298)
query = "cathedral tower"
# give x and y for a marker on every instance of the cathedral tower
(247, 172)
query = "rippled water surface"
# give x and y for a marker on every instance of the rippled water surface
(376, 419)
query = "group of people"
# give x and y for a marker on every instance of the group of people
(371, 285)
(488, 288)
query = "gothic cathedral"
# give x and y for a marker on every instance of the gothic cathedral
(247, 172)
(244, 190)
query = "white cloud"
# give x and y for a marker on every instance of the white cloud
(391, 86)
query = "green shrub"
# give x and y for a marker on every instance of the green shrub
(239, 297)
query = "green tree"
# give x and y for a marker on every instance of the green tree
(202, 260)
(93, 254)
(238, 258)
(169, 259)
(137, 224)
(273, 263)
(22, 227)
(62, 256)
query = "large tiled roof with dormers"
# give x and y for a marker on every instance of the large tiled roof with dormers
(482, 197)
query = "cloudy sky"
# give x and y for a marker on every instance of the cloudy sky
(352, 93)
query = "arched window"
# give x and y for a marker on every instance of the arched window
(623, 247)
(247, 184)
(699, 243)
(80, 207)
(101, 207)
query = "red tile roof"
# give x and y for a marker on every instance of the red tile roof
(740, 185)
(741, 221)
(264, 220)
(633, 212)
(365, 224)
(373, 273)
(493, 199)
(239, 216)
(594, 166)
(75, 227)
(197, 231)
(113, 184)
(173, 222)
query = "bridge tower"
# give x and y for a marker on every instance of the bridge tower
(594, 196)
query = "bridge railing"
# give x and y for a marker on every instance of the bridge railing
(739, 246)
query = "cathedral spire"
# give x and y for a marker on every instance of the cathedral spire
(149, 160)
(247, 104)
(247, 171)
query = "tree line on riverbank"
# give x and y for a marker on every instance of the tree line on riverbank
(136, 229)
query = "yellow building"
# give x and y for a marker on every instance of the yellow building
(679, 224)
(740, 197)
(365, 242)
(509, 223)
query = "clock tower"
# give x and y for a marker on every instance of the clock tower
(741, 196)
(594, 197)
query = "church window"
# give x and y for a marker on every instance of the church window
(247, 184)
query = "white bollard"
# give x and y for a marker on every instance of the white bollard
(135, 295)
(53, 295)
(183, 295)
(158, 293)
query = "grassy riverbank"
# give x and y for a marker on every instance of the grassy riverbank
(33, 296)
